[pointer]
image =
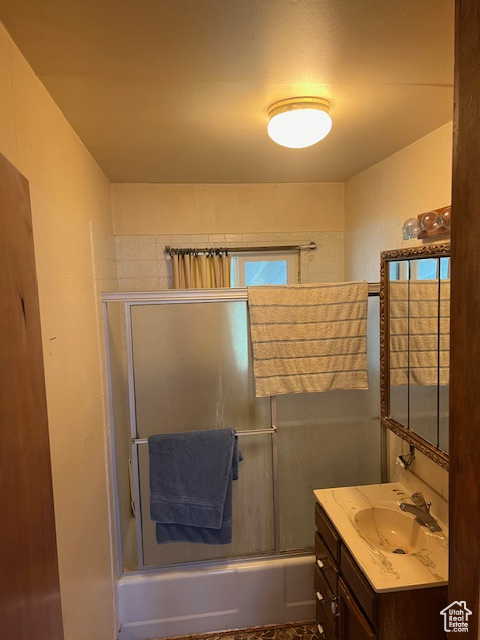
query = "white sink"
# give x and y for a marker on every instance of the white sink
(391, 530)
(392, 548)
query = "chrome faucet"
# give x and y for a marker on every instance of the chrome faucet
(421, 510)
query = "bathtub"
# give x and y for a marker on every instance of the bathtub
(215, 597)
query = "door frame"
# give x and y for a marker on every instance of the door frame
(464, 478)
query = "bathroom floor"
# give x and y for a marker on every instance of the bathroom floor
(293, 631)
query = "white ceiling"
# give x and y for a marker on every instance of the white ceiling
(178, 90)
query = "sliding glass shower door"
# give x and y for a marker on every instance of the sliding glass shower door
(182, 361)
(192, 370)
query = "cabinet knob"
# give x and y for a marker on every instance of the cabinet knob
(320, 564)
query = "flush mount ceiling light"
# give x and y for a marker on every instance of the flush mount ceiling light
(299, 122)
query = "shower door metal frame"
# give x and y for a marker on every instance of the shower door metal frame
(192, 296)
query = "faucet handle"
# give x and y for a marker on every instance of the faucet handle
(419, 500)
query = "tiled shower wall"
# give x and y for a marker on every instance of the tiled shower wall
(143, 265)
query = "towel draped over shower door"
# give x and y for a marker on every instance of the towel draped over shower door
(309, 338)
(191, 476)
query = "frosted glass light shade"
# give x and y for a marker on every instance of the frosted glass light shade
(445, 218)
(429, 221)
(411, 229)
(299, 122)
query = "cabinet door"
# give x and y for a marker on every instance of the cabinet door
(352, 623)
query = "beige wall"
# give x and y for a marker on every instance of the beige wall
(380, 199)
(68, 192)
(417, 178)
(377, 203)
(159, 209)
(148, 217)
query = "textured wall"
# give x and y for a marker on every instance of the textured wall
(377, 203)
(226, 208)
(68, 190)
(417, 178)
(149, 216)
(379, 200)
(142, 263)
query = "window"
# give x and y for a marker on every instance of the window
(258, 268)
(431, 269)
(399, 270)
(422, 269)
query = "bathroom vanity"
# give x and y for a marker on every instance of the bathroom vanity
(379, 573)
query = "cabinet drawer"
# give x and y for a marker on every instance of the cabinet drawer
(326, 563)
(328, 532)
(325, 601)
(358, 584)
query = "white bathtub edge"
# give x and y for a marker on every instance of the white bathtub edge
(216, 598)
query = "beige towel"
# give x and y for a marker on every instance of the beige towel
(309, 337)
(419, 339)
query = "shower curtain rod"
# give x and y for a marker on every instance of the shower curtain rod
(289, 247)
(248, 432)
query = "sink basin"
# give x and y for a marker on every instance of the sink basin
(391, 530)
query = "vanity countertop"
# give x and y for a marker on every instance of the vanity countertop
(425, 566)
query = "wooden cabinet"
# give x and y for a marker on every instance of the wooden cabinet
(347, 607)
(352, 623)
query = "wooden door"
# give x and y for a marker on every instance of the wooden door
(29, 584)
(352, 624)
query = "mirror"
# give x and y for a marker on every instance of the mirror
(415, 337)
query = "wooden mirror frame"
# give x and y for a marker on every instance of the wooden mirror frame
(430, 251)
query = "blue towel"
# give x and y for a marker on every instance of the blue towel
(191, 485)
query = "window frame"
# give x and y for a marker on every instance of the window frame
(239, 259)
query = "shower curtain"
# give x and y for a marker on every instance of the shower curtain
(192, 270)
